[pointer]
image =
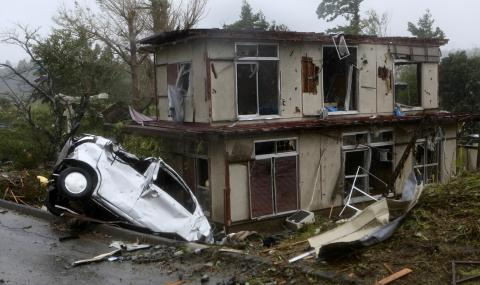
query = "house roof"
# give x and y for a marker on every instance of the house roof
(166, 38)
(238, 129)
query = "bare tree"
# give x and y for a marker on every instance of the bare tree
(121, 23)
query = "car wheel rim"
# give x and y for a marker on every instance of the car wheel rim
(75, 182)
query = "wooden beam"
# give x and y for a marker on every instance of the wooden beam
(394, 276)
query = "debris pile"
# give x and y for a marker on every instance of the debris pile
(21, 187)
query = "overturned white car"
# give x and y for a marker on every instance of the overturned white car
(95, 172)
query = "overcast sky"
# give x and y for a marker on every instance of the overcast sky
(456, 18)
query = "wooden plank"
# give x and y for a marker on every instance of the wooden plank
(179, 282)
(394, 276)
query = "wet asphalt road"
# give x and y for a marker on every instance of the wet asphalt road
(31, 253)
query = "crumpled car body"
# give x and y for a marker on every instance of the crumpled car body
(147, 193)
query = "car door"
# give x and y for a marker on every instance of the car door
(121, 185)
(166, 204)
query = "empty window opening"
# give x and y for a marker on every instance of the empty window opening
(257, 79)
(178, 81)
(172, 185)
(273, 178)
(426, 162)
(381, 166)
(340, 80)
(309, 75)
(408, 84)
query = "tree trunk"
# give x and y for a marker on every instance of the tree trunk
(134, 65)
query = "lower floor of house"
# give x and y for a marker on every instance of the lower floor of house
(246, 178)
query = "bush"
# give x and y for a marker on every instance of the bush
(19, 144)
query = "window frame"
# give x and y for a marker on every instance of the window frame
(203, 188)
(357, 95)
(367, 148)
(419, 83)
(256, 60)
(425, 165)
(271, 157)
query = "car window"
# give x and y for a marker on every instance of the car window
(173, 187)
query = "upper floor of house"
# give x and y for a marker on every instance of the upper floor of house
(221, 76)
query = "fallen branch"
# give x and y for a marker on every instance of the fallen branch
(13, 195)
(388, 268)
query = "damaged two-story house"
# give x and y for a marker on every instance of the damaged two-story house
(262, 124)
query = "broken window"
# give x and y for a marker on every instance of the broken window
(257, 79)
(352, 159)
(178, 81)
(408, 84)
(427, 157)
(382, 165)
(382, 137)
(172, 185)
(309, 75)
(355, 139)
(341, 45)
(340, 78)
(374, 153)
(273, 178)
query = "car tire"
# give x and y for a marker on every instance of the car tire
(76, 182)
(51, 201)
